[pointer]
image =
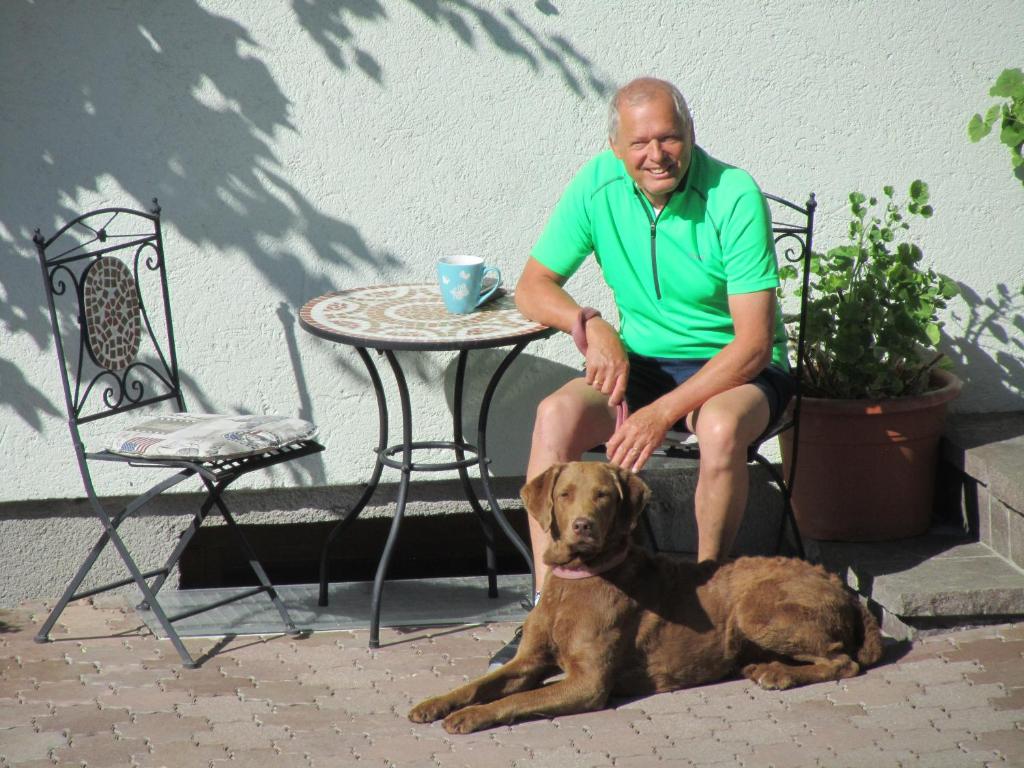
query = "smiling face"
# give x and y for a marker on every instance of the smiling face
(654, 144)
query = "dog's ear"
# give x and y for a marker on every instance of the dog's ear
(635, 493)
(538, 495)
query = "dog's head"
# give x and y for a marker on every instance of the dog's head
(587, 508)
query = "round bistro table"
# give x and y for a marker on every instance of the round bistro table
(389, 318)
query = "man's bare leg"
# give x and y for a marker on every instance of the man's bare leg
(570, 421)
(725, 426)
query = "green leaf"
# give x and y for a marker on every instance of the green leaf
(919, 191)
(1011, 134)
(1009, 84)
(927, 211)
(888, 190)
(977, 129)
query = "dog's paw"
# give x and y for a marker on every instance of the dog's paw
(771, 677)
(468, 719)
(429, 710)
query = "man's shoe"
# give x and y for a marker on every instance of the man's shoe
(507, 652)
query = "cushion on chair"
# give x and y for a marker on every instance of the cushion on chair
(209, 436)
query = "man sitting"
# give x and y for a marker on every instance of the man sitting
(684, 242)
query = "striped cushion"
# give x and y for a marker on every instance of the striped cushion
(209, 436)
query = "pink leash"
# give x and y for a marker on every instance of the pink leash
(579, 335)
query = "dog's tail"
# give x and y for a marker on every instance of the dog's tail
(870, 650)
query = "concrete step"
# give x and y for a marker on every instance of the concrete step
(671, 514)
(928, 583)
(986, 451)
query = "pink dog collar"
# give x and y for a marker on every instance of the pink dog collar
(584, 573)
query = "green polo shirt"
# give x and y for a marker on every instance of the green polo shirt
(671, 273)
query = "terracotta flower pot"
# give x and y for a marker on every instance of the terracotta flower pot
(866, 469)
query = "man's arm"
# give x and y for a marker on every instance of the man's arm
(540, 296)
(753, 316)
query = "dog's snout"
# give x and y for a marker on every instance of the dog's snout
(581, 526)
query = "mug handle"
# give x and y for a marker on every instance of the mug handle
(497, 284)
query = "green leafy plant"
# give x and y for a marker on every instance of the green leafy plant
(1010, 86)
(873, 310)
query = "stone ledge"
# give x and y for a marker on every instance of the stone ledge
(932, 581)
(989, 447)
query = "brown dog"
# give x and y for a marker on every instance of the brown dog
(617, 620)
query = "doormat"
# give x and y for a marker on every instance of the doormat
(404, 603)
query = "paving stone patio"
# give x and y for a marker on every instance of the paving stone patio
(109, 693)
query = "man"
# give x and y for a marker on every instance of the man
(684, 241)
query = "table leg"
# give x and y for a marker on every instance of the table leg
(371, 486)
(467, 486)
(403, 490)
(485, 407)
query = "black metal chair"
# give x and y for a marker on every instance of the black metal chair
(106, 286)
(793, 228)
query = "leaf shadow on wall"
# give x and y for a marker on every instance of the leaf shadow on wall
(332, 24)
(193, 124)
(175, 102)
(999, 316)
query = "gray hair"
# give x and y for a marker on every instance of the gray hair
(642, 90)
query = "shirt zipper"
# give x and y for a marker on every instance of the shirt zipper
(654, 232)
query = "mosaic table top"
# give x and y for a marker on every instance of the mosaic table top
(414, 317)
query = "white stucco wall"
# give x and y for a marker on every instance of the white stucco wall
(319, 145)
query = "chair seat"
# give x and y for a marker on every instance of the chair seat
(209, 436)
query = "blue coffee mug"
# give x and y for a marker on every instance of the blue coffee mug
(460, 279)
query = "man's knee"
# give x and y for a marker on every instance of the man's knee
(719, 436)
(560, 412)
(727, 425)
(572, 414)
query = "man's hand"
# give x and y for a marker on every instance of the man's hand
(607, 366)
(638, 437)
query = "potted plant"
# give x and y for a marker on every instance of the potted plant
(874, 395)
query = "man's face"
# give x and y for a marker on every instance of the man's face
(653, 145)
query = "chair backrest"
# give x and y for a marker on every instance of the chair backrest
(793, 230)
(106, 288)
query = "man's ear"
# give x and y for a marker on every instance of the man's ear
(538, 495)
(635, 493)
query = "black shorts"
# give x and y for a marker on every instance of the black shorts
(652, 377)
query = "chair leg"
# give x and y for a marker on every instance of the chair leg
(254, 563)
(179, 549)
(43, 635)
(150, 597)
(149, 592)
(111, 536)
(788, 518)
